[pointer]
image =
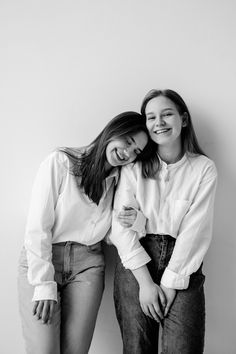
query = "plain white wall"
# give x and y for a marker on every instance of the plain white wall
(66, 68)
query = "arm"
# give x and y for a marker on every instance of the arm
(126, 240)
(194, 235)
(132, 254)
(133, 218)
(151, 297)
(38, 238)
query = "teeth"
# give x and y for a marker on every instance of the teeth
(161, 131)
(120, 156)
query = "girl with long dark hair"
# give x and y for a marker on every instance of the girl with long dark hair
(61, 271)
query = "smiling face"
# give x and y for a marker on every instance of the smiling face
(164, 122)
(121, 151)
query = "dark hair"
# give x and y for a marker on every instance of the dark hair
(89, 167)
(188, 137)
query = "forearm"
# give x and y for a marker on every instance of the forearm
(142, 276)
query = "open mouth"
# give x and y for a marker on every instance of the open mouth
(162, 131)
(120, 157)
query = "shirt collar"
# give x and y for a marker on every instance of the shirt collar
(172, 165)
(115, 173)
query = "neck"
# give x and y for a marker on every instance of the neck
(108, 168)
(170, 155)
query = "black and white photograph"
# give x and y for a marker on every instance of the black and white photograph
(118, 176)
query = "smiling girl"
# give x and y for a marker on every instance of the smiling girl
(159, 277)
(61, 271)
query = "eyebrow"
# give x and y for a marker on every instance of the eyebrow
(163, 110)
(167, 109)
(133, 140)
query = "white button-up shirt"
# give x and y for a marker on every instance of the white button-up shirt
(178, 202)
(60, 211)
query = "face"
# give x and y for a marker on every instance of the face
(164, 122)
(121, 151)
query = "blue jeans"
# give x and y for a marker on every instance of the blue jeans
(183, 328)
(79, 273)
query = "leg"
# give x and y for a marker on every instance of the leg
(184, 327)
(80, 301)
(39, 338)
(139, 332)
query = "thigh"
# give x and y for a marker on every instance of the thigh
(184, 327)
(80, 301)
(139, 332)
(39, 338)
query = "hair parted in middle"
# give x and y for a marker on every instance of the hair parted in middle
(188, 137)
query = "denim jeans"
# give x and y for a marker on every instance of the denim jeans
(183, 328)
(79, 273)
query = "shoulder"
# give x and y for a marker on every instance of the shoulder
(56, 161)
(132, 170)
(203, 164)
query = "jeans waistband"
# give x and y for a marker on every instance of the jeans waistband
(71, 243)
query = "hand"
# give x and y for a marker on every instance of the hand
(170, 296)
(43, 310)
(152, 301)
(127, 216)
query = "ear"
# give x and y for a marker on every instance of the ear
(185, 119)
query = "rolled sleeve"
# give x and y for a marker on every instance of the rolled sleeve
(48, 291)
(135, 259)
(139, 224)
(174, 280)
(194, 235)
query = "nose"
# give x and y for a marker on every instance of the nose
(159, 121)
(129, 152)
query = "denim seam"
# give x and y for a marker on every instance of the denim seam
(163, 252)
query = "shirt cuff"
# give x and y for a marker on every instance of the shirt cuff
(135, 259)
(174, 280)
(139, 223)
(46, 291)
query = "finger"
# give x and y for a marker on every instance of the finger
(34, 309)
(126, 218)
(125, 225)
(127, 208)
(167, 309)
(51, 310)
(128, 212)
(45, 310)
(39, 309)
(162, 298)
(154, 313)
(158, 311)
(145, 311)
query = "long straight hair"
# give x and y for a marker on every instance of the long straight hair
(88, 167)
(188, 137)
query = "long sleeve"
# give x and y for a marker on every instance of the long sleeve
(126, 240)
(41, 217)
(194, 235)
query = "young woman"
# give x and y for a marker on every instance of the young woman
(159, 278)
(61, 271)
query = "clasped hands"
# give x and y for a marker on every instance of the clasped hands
(156, 300)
